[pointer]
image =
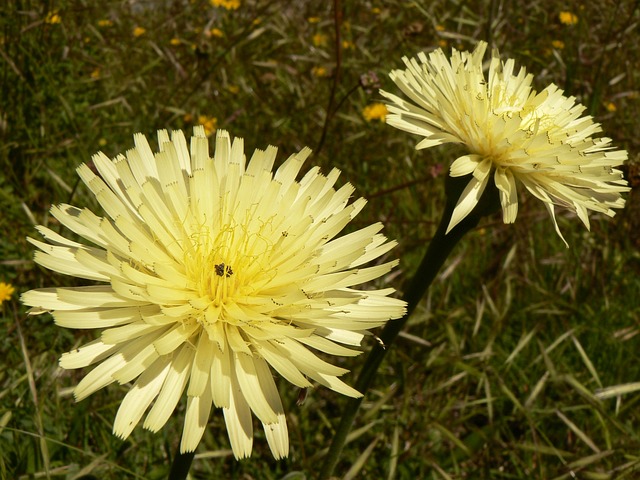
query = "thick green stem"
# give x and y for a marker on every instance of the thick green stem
(181, 465)
(439, 249)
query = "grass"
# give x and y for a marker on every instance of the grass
(496, 372)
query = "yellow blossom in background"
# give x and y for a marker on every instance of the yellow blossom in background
(440, 28)
(210, 124)
(216, 32)
(375, 111)
(175, 41)
(319, 72)
(256, 21)
(319, 40)
(559, 44)
(228, 4)
(6, 290)
(611, 107)
(95, 74)
(52, 18)
(102, 142)
(233, 89)
(105, 23)
(568, 18)
(313, 19)
(442, 43)
(375, 10)
(209, 275)
(347, 44)
(512, 133)
(138, 31)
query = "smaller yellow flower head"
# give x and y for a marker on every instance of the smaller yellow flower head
(6, 290)
(514, 135)
(210, 124)
(375, 111)
(319, 72)
(319, 40)
(52, 18)
(139, 31)
(568, 18)
(227, 4)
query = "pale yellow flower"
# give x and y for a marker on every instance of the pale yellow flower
(6, 290)
(139, 31)
(568, 18)
(175, 41)
(610, 106)
(213, 274)
(375, 111)
(105, 23)
(511, 132)
(559, 44)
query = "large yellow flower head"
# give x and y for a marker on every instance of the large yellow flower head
(510, 131)
(215, 271)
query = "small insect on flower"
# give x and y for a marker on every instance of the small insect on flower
(212, 273)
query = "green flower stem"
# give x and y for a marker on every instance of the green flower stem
(439, 249)
(181, 465)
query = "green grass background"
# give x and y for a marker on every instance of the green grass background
(496, 372)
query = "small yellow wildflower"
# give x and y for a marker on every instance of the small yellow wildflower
(210, 124)
(611, 107)
(102, 142)
(347, 44)
(175, 41)
(214, 32)
(187, 117)
(256, 21)
(105, 23)
(319, 72)
(375, 111)
(6, 290)
(313, 19)
(376, 11)
(233, 89)
(52, 18)
(228, 4)
(138, 31)
(559, 44)
(442, 43)
(319, 40)
(96, 73)
(568, 18)
(439, 28)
